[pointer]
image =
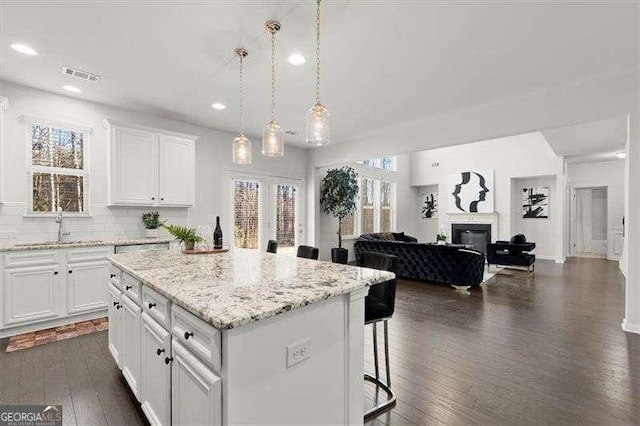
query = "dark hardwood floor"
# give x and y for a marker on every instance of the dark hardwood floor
(542, 349)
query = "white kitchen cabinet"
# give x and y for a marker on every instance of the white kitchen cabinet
(115, 324)
(86, 286)
(196, 394)
(134, 167)
(30, 294)
(150, 167)
(131, 342)
(156, 372)
(177, 163)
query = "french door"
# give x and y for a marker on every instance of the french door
(266, 208)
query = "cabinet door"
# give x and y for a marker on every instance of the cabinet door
(115, 324)
(177, 171)
(156, 372)
(130, 356)
(87, 286)
(134, 167)
(30, 294)
(195, 391)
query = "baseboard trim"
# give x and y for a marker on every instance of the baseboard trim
(630, 328)
(560, 261)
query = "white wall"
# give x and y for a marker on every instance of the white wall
(522, 156)
(544, 232)
(213, 161)
(609, 174)
(428, 228)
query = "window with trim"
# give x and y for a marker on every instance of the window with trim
(58, 171)
(368, 206)
(386, 210)
(385, 163)
(286, 217)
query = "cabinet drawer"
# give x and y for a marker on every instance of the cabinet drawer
(196, 335)
(157, 306)
(30, 258)
(88, 254)
(115, 276)
(132, 288)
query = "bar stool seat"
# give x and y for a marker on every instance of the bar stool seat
(272, 246)
(379, 306)
(308, 252)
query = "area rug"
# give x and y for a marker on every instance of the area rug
(50, 335)
(488, 274)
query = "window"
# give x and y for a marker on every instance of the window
(384, 163)
(246, 213)
(349, 226)
(286, 218)
(368, 214)
(385, 206)
(58, 170)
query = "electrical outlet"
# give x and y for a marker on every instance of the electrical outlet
(298, 352)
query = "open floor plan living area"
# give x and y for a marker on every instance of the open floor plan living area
(319, 212)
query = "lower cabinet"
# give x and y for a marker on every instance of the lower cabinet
(30, 293)
(130, 353)
(86, 290)
(196, 392)
(115, 324)
(156, 372)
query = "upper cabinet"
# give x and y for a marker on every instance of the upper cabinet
(150, 167)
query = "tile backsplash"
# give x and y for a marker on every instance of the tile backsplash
(104, 223)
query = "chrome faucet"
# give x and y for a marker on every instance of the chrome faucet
(59, 222)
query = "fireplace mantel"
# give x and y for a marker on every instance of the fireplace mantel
(479, 218)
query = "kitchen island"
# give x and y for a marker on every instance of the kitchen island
(242, 337)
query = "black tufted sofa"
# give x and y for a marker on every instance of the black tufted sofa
(442, 264)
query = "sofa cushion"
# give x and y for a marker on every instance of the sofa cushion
(518, 239)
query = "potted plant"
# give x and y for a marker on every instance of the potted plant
(184, 235)
(441, 238)
(151, 222)
(338, 192)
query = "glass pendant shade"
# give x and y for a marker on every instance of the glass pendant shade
(273, 140)
(317, 129)
(241, 150)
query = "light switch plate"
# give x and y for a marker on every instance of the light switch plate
(298, 352)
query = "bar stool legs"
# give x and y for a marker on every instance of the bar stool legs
(391, 397)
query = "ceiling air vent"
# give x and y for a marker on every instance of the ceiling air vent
(290, 132)
(436, 164)
(80, 74)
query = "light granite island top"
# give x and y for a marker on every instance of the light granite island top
(241, 286)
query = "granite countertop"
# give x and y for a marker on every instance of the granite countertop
(231, 289)
(49, 245)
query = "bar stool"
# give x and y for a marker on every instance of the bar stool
(308, 252)
(378, 307)
(272, 246)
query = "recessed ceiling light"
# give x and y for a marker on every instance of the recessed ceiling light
(296, 59)
(24, 49)
(218, 106)
(73, 89)
(621, 155)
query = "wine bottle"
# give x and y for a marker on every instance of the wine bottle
(217, 235)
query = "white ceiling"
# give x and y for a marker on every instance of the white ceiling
(384, 63)
(589, 142)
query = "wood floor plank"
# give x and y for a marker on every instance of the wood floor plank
(56, 386)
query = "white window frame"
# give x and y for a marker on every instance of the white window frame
(261, 210)
(87, 132)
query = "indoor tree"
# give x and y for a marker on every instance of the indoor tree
(338, 193)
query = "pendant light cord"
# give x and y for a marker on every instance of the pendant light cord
(318, 54)
(241, 95)
(273, 76)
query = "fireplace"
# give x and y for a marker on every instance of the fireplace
(472, 234)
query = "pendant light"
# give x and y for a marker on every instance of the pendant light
(241, 144)
(317, 128)
(273, 136)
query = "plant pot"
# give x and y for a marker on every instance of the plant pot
(442, 243)
(339, 255)
(189, 245)
(152, 233)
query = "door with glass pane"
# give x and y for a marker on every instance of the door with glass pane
(285, 201)
(247, 200)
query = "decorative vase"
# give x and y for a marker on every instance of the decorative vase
(339, 255)
(189, 245)
(152, 233)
